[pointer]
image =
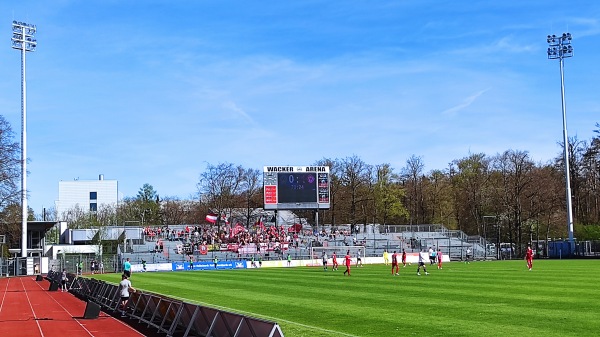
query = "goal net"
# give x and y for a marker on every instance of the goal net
(316, 253)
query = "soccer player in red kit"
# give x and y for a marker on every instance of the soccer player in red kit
(403, 258)
(529, 257)
(334, 260)
(395, 263)
(439, 257)
(348, 261)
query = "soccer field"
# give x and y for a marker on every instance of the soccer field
(496, 298)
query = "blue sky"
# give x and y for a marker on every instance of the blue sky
(152, 91)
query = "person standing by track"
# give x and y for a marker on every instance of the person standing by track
(125, 288)
(63, 280)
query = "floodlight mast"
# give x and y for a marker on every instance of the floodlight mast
(23, 39)
(559, 47)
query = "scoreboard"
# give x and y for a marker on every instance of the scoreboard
(296, 187)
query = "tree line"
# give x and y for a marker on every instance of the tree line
(506, 197)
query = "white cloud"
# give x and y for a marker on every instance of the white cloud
(465, 103)
(238, 112)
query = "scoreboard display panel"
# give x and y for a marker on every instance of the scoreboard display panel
(296, 187)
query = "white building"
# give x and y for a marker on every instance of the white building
(87, 195)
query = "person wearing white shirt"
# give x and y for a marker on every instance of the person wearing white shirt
(124, 289)
(422, 259)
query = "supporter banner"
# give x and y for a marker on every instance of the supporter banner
(208, 265)
(248, 249)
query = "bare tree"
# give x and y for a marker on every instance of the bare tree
(515, 169)
(470, 179)
(219, 187)
(354, 178)
(251, 188)
(436, 191)
(412, 175)
(10, 166)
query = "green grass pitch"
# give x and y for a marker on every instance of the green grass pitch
(496, 298)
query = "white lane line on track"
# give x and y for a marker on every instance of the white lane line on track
(4, 296)
(31, 306)
(83, 326)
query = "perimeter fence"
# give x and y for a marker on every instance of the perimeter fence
(169, 316)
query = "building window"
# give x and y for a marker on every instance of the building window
(93, 207)
(35, 240)
(93, 195)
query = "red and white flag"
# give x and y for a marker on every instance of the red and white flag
(212, 218)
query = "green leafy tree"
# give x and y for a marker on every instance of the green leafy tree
(388, 195)
(147, 203)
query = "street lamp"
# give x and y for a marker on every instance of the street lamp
(560, 48)
(23, 40)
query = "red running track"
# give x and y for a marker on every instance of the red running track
(28, 309)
